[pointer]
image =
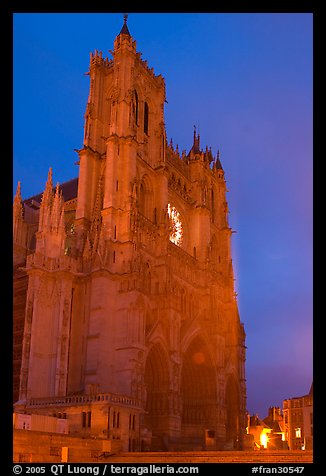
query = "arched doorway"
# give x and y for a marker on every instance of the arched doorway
(157, 388)
(198, 391)
(232, 412)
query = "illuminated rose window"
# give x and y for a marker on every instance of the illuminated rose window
(176, 232)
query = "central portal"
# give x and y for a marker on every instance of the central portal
(198, 392)
(157, 388)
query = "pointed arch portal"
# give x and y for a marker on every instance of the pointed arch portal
(198, 390)
(232, 399)
(157, 388)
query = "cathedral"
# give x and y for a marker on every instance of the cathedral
(125, 315)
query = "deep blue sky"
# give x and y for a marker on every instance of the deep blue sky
(246, 81)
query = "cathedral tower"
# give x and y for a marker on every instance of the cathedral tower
(131, 314)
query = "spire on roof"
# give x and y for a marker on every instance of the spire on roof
(195, 146)
(124, 29)
(218, 164)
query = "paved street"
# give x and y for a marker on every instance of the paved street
(263, 456)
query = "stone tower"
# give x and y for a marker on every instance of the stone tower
(131, 322)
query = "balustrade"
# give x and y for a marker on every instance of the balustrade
(82, 399)
(51, 264)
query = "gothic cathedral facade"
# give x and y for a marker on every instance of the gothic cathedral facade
(125, 298)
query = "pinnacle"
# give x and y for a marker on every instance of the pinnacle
(18, 202)
(124, 29)
(18, 196)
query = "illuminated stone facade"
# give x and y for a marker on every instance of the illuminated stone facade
(298, 421)
(131, 324)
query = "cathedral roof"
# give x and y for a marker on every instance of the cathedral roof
(69, 191)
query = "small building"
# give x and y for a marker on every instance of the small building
(277, 436)
(268, 433)
(259, 430)
(101, 416)
(298, 421)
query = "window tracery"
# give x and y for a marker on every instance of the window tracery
(176, 229)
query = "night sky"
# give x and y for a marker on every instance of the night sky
(245, 81)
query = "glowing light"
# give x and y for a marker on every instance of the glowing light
(298, 432)
(263, 440)
(176, 231)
